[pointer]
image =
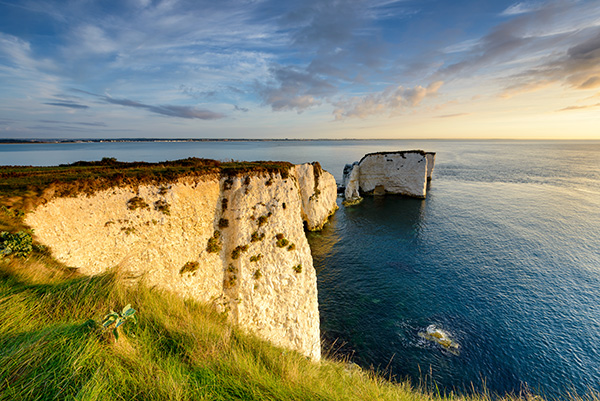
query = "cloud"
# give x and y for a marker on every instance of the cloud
(167, 110)
(571, 108)
(87, 124)
(390, 100)
(70, 105)
(454, 115)
(293, 88)
(578, 68)
(187, 112)
(520, 8)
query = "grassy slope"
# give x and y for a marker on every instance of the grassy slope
(180, 350)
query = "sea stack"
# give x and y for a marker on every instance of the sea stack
(400, 172)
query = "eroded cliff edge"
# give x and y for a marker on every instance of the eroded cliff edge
(235, 240)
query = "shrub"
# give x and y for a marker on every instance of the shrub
(257, 237)
(282, 243)
(279, 236)
(262, 220)
(257, 274)
(256, 258)
(291, 247)
(223, 223)
(18, 244)
(224, 204)
(238, 249)
(214, 244)
(162, 206)
(298, 268)
(189, 267)
(137, 203)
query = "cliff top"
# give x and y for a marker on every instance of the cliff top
(24, 187)
(396, 152)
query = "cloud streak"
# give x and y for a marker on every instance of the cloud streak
(389, 101)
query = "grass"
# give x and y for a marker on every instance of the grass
(23, 187)
(179, 350)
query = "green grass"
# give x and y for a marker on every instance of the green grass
(180, 349)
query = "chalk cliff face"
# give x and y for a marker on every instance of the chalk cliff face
(403, 172)
(236, 241)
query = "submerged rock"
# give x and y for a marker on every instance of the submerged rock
(436, 335)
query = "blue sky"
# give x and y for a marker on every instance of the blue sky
(300, 69)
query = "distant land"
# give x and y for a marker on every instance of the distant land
(25, 141)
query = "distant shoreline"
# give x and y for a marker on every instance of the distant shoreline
(13, 141)
(45, 141)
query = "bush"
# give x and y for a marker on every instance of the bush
(238, 249)
(137, 203)
(257, 237)
(262, 220)
(18, 244)
(298, 268)
(281, 243)
(162, 206)
(214, 244)
(189, 267)
(256, 258)
(291, 247)
(223, 223)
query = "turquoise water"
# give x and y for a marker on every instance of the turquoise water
(503, 255)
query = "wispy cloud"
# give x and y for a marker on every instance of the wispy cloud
(69, 105)
(389, 101)
(521, 8)
(572, 108)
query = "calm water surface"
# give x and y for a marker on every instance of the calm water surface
(504, 255)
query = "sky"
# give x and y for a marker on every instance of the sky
(300, 69)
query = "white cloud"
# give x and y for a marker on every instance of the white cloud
(390, 101)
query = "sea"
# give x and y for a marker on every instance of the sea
(503, 257)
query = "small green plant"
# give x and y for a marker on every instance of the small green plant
(12, 212)
(238, 250)
(162, 206)
(128, 230)
(137, 203)
(118, 319)
(18, 244)
(256, 258)
(257, 237)
(214, 244)
(223, 223)
(257, 274)
(262, 220)
(291, 247)
(282, 243)
(189, 267)
(298, 268)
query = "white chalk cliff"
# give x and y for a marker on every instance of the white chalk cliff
(235, 241)
(401, 172)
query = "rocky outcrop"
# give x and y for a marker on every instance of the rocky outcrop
(236, 241)
(318, 192)
(401, 172)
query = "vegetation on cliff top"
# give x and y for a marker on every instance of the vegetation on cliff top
(22, 187)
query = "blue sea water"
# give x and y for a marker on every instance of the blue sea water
(503, 255)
